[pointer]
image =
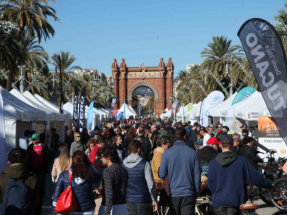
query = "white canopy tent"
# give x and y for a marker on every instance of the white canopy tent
(51, 105)
(195, 112)
(249, 109)
(17, 116)
(167, 114)
(53, 119)
(69, 108)
(128, 112)
(132, 109)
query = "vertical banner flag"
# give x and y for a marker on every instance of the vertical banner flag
(124, 114)
(82, 109)
(113, 102)
(90, 116)
(265, 53)
(201, 114)
(243, 94)
(211, 101)
(76, 108)
(2, 136)
(183, 118)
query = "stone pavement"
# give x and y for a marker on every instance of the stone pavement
(46, 209)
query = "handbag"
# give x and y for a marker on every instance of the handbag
(66, 202)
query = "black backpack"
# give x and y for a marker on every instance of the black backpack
(16, 199)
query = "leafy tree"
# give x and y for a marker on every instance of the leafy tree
(30, 15)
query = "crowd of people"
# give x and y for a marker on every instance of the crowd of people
(135, 167)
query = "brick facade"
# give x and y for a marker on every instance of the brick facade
(158, 79)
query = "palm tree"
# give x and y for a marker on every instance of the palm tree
(64, 60)
(214, 55)
(31, 15)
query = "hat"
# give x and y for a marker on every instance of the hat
(226, 140)
(97, 132)
(213, 140)
(35, 136)
(226, 127)
(202, 129)
(243, 125)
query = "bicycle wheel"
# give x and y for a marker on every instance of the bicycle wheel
(266, 197)
(279, 194)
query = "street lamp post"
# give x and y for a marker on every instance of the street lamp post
(21, 78)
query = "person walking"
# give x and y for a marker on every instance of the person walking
(141, 192)
(119, 146)
(18, 171)
(54, 144)
(90, 145)
(209, 152)
(63, 162)
(77, 145)
(83, 175)
(181, 163)
(162, 131)
(226, 169)
(69, 138)
(39, 161)
(163, 144)
(115, 181)
(205, 135)
(100, 144)
(146, 146)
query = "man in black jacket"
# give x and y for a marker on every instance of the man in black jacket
(192, 134)
(39, 160)
(146, 145)
(247, 152)
(209, 152)
(236, 144)
(115, 182)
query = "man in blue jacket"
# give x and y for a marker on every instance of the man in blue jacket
(228, 174)
(181, 163)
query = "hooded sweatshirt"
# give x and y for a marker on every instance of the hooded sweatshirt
(131, 162)
(16, 171)
(227, 176)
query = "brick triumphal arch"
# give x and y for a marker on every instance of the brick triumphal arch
(159, 79)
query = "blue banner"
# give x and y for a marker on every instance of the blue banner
(243, 94)
(119, 117)
(90, 116)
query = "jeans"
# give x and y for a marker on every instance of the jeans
(221, 210)
(183, 205)
(139, 208)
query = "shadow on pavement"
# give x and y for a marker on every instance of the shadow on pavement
(47, 205)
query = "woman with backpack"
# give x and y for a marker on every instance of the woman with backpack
(83, 175)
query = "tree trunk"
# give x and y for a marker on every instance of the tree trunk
(10, 79)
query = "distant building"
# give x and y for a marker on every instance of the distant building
(94, 74)
(189, 67)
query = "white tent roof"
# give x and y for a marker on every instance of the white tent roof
(226, 104)
(17, 109)
(103, 113)
(132, 109)
(28, 98)
(195, 112)
(249, 109)
(69, 108)
(52, 106)
(128, 111)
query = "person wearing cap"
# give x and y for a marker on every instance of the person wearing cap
(228, 174)
(205, 135)
(39, 160)
(244, 126)
(181, 163)
(224, 131)
(209, 152)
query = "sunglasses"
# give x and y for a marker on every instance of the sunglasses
(78, 136)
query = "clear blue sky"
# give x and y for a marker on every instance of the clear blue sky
(97, 31)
